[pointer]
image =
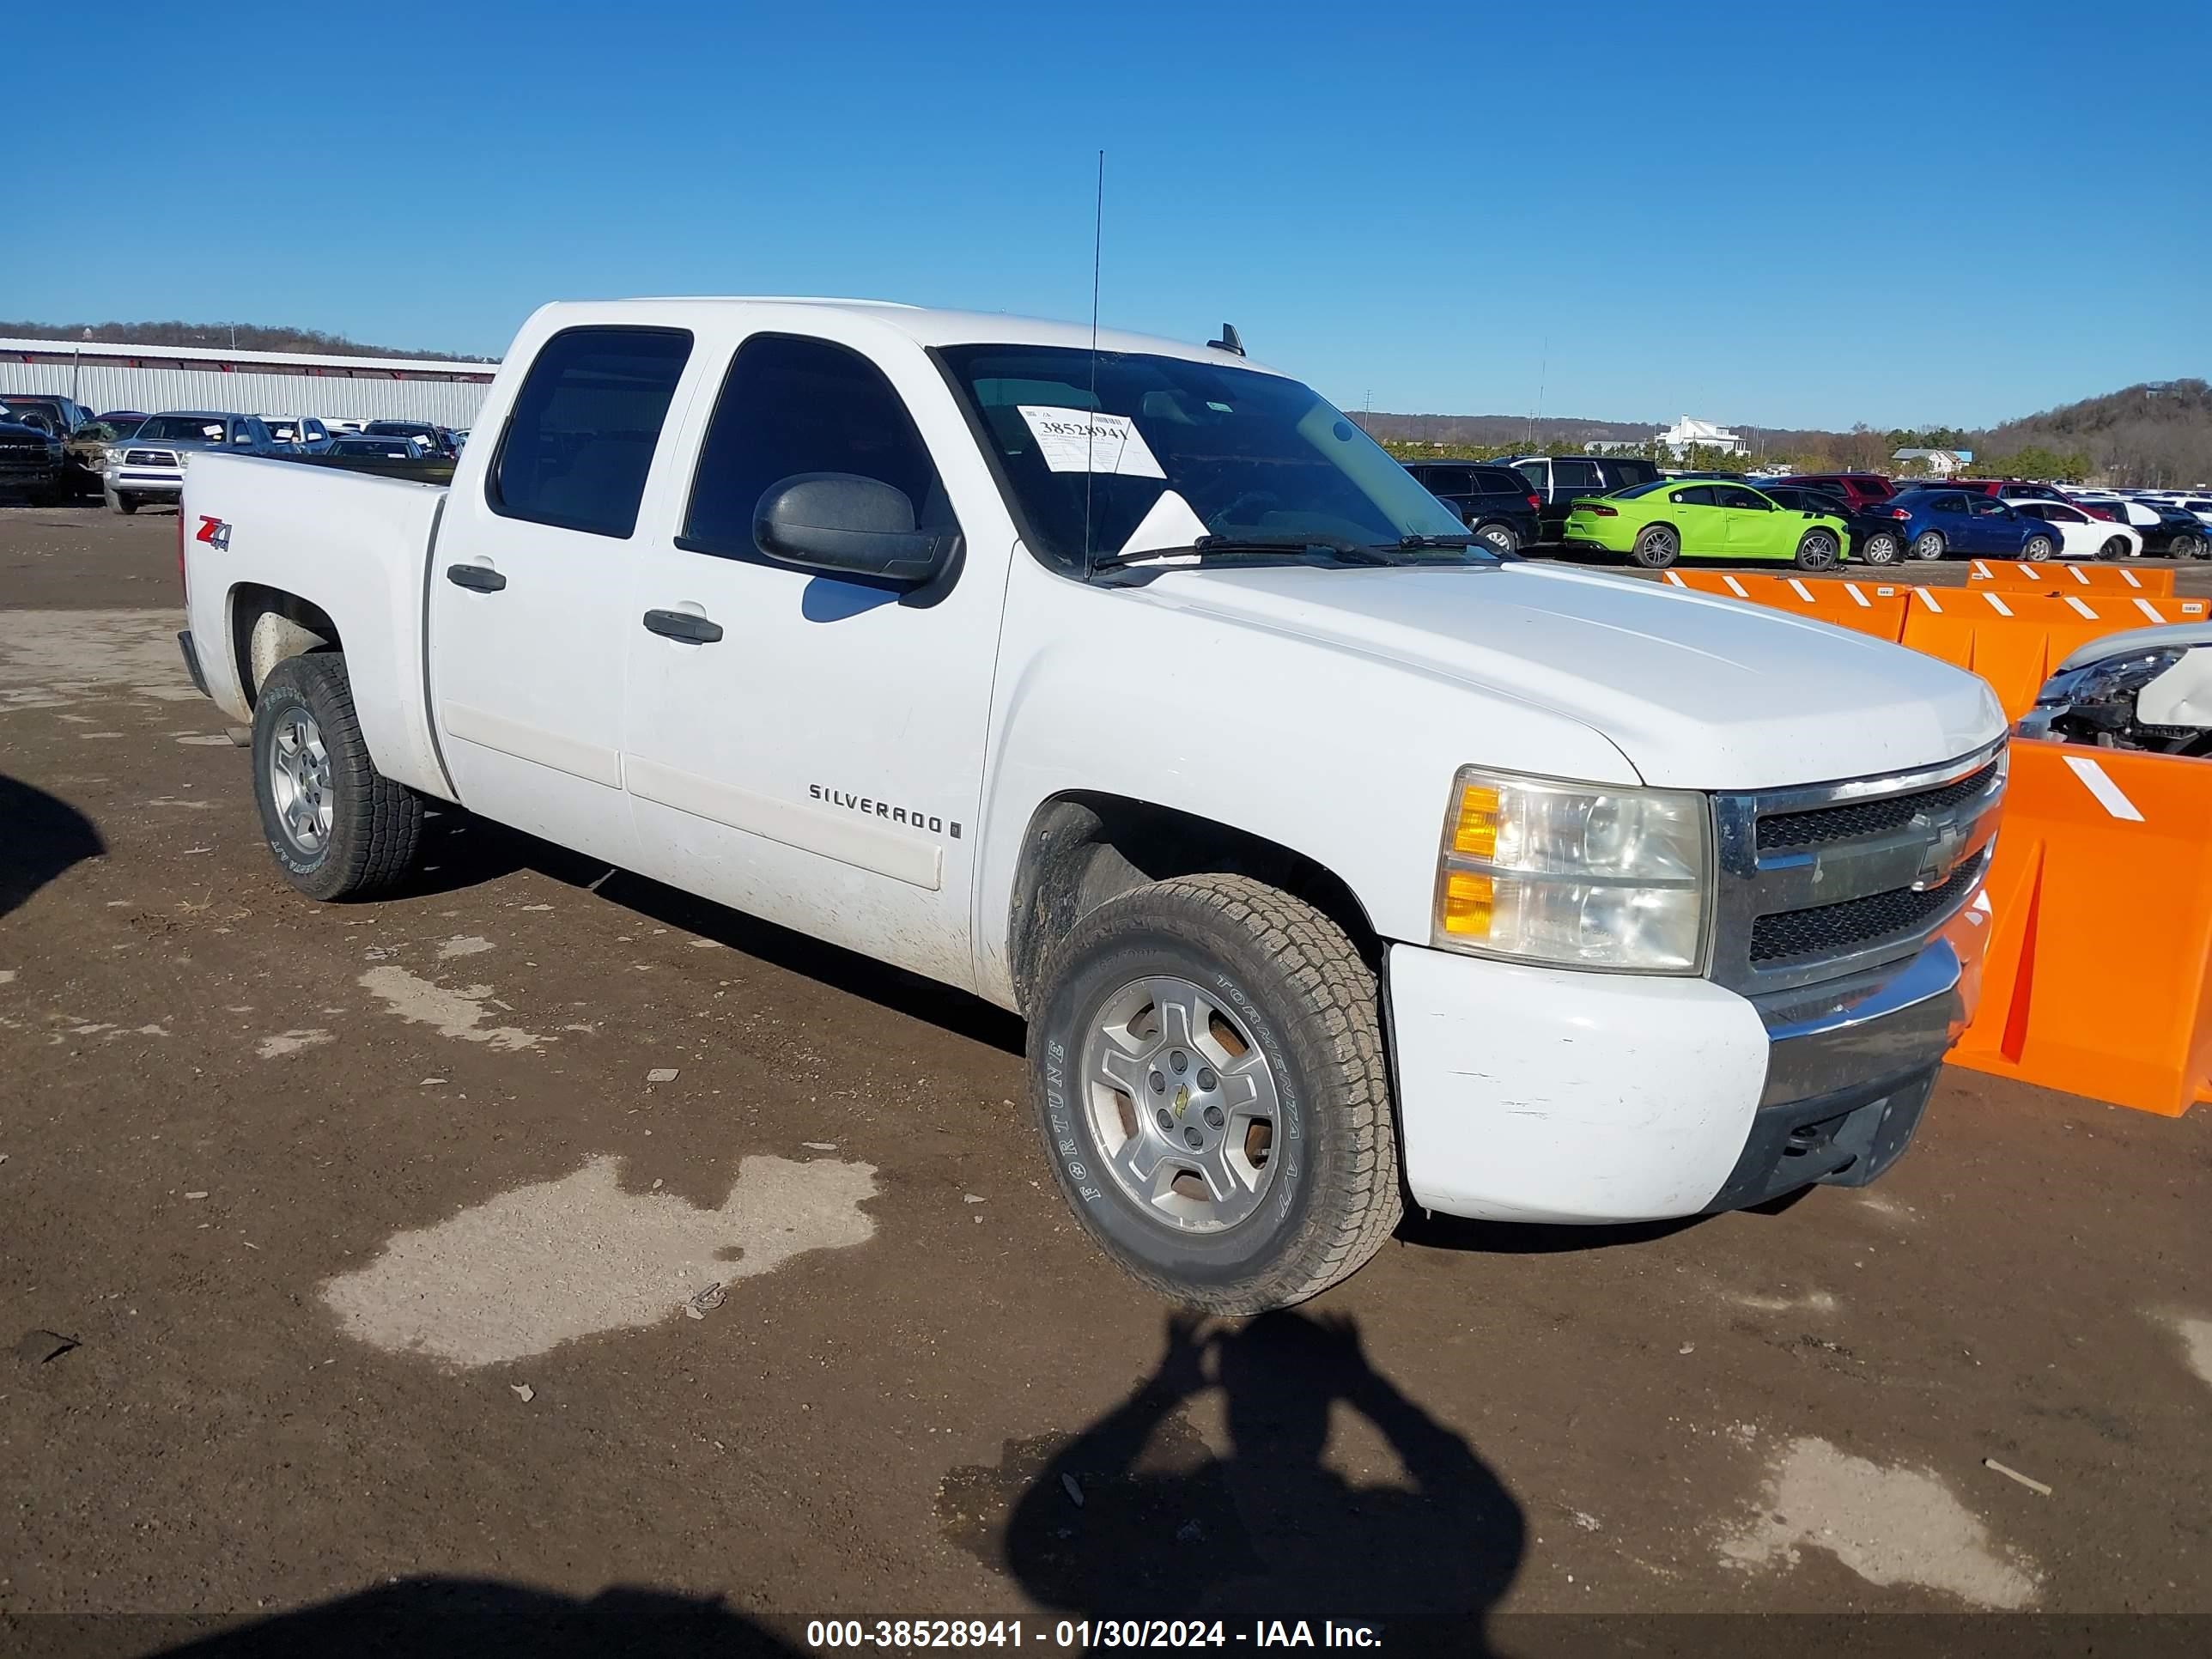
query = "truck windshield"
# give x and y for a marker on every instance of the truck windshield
(182, 429)
(1255, 456)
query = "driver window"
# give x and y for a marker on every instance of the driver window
(791, 405)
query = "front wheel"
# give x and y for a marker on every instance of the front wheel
(1206, 1059)
(1928, 544)
(2189, 547)
(1817, 550)
(2035, 548)
(338, 827)
(1881, 548)
(1657, 547)
(2116, 548)
(121, 503)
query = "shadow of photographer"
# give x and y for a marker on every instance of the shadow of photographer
(1136, 1517)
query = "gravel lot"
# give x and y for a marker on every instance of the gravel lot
(547, 1246)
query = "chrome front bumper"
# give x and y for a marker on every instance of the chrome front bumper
(1872, 1027)
(1850, 1065)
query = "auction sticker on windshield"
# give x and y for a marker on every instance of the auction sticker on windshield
(1078, 440)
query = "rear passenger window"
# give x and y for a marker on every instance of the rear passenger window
(792, 405)
(1445, 480)
(579, 440)
(1695, 495)
(1575, 475)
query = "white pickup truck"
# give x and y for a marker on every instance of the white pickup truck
(1334, 862)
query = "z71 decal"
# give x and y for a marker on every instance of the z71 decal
(214, 532)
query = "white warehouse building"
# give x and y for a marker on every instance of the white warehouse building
(1687, 433)
(150, 379)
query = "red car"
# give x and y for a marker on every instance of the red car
(1861, 490)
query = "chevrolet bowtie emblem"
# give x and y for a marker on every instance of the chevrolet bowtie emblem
(1182, 1098)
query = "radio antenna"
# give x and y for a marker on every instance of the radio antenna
(1090, 414)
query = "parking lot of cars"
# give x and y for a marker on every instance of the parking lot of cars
(1625, 509)
(53, 449)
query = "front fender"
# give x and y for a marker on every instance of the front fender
(1346, 759)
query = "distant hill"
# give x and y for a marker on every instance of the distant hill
(2156, 436)
(2149, 436)
(1513, 431)
(240, 336)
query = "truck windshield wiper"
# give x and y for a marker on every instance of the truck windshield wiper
(1341, 547)
(1411, 544)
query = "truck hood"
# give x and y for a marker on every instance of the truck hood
(1697, 692)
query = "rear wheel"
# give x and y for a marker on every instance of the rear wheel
(1817, 549)
(339, 828)
(1657, 547)
(1206, 1059)
(2036, 549)
(1499, 538)
(1881, 548)
(1928, 544)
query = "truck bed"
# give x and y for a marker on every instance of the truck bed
(354, 547)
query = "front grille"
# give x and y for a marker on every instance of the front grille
(1829, 930)
(1858, 820)
(1819, 883)
(149, 458)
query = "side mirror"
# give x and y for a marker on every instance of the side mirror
(848, 526)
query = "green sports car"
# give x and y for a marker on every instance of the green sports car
(1655, 524)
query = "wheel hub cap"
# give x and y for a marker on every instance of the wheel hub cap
(300, 782)
(1183, 1104)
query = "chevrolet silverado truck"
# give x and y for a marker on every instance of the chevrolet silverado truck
(1335, 863)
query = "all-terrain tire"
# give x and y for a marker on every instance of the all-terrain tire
(1297, 985)
(374, 832)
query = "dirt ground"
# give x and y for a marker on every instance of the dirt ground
(547, 1251)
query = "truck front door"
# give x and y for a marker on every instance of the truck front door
(529, 584)
(804, 747)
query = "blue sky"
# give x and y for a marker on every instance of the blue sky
(1913, 214)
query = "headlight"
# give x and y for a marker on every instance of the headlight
(1573, 875)
(2111, 679)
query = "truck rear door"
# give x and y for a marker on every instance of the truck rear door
(805, 747)
(528, 581)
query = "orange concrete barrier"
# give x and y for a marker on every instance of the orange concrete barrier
(2097, 974)
(2086, 579)
(2015, 640)
(1865, 607)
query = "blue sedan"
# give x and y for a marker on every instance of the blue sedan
(1933, 523)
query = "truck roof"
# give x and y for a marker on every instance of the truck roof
(922, 325)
